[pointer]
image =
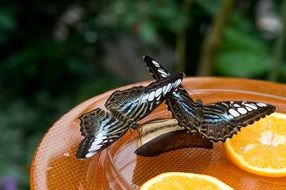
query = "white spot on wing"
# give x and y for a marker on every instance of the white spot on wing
(151, 96)
(90, 154)
(169, 87)
(94, 149)
(158, 92)
(178, 82)
(96, 145)
(102, 135)
(164, 75)
(164, 88)
(225, 104)
(144, 98)
(155, 63)
(261, 104)
(251, 106)
(233, 113)
(158, 98)
(236, 105)
(242, 110)
(96, 142)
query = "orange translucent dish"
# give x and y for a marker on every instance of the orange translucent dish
(55, 166)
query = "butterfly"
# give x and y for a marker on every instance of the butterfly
(216, 121)
(101, 128)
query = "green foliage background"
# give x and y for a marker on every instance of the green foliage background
(42, 76)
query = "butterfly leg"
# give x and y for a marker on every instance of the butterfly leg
(135, 126)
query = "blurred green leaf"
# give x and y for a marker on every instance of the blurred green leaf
(7, 25)
(283, 72)
(7, 21)
(13, 119)
(235, 38)
(211, 7)
(147, 31)
(243, 64)
(243, 53)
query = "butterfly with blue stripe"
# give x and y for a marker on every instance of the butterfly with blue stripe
(217, 121)
(101, 128)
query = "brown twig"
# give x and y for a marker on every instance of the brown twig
(182, 37)
(212, 41)
(279, 48)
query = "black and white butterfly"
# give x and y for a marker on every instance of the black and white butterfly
(217, 121)
(100, 128)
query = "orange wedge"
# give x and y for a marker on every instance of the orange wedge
(261, 147)
(184, 181)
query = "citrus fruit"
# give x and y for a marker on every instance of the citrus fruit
(261, 147)
(184, 181)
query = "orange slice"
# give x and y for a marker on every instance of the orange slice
(183, 181)
(261, 147)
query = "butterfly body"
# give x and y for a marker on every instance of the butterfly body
(101, 128)
(217, 121)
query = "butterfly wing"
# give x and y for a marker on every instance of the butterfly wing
(184, 109)
(222, 120)
(100, 129)
(124, 103)
(156, 70)
(137, 102)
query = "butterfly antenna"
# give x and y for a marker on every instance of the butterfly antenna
(140, 132)
(192, 94)
(139, 128)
